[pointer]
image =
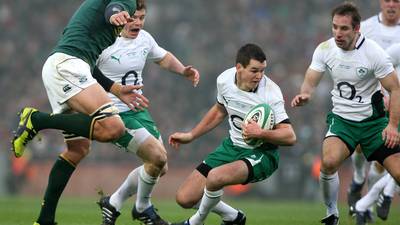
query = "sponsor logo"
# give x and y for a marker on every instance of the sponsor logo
(82, 79)
(361, 72)
(116, 58)
(67, 88)
(255, 162)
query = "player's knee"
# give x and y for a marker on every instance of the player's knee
(184, 200)
(329, 165)
(109, 129)
(108, 126)
(164, 170)
(158, 156)
(215, 180)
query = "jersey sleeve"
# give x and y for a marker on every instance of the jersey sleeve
(278, 104)
(220, 84)
(317, 62)
(394, 53)
(382, 63)
(156, 53)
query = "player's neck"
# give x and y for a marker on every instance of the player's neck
(353, 44)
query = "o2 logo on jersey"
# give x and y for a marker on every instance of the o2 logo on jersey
(348, 91)
(237, 121)
(361, 72)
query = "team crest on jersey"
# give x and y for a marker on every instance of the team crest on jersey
(361, 72)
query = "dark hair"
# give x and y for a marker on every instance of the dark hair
(348, 9)
(140, 4)
(248, 52)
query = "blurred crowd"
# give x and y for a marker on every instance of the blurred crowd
(203, 33)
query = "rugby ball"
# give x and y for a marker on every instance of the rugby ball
(263, 115)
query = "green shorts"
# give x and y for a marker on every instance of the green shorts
(261, 162)
(367, 134)
(134, 121)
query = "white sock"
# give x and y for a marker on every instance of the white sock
(374, 175)
(145, 187)
(373, 194)
(359, 164)
(330, 187)
(126, 190)
(209, 200)
(225, 211)
(390, 188)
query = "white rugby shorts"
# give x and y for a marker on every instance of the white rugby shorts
(65, 76)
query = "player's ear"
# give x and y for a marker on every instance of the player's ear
(357, 28)
(239, 66)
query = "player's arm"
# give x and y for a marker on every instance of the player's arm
(171, 63)
(213, 118)
(282, 134)
(390, 133)
(311, 81)
(124, 92)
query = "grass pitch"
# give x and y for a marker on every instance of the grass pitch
(84, 211)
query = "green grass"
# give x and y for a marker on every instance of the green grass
(84, 211)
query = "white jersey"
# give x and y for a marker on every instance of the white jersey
(238, 102)
(374, 29)
(394, 53)
(123, 62)
(355, 75)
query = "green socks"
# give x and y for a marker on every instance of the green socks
(76, 123)
(58, 179)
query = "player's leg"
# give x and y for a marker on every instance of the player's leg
(143, 139)
(372, 196)
(59, 176)
(385, 199)
(334, 152)
(359, 166)
(154, 157)
(376, 171)
(231, 173)
(69, 85)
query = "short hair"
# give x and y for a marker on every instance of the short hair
(140, 4)
(348, 9)
(248, 52)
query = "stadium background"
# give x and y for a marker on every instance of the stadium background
(203, 33)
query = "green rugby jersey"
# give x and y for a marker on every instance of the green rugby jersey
(88, 33)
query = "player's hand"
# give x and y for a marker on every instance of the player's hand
(131, 98)
(391, 136)
(192, 74)
(251, 130)
(300, 100)
(120, 19)
(178, 138)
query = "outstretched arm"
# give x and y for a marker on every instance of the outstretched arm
(213, 118)
(171, 63)
(310, 82)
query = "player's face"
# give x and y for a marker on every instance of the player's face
(390, 11)
(132, 29)
(343, 31)
(250, 76)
